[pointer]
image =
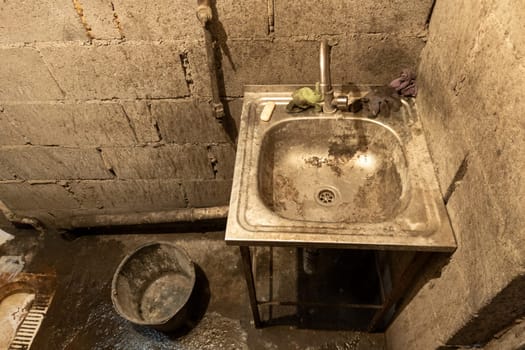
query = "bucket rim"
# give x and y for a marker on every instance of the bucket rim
(114, 293)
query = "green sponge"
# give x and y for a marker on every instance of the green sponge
(305, 98)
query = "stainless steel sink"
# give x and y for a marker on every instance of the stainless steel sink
(330, 169)
(314, 179)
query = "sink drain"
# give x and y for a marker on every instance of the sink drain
(326, 197)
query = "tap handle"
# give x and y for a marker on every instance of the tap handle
(204, 13)
(341, 102)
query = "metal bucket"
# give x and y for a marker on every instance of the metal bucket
(153, 284)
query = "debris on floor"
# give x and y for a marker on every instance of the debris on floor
(4, 237)
(13, 310)
(10, 266)
(82, 317)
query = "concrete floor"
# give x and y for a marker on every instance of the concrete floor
(82, 317)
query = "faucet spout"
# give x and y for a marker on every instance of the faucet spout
(326, 82)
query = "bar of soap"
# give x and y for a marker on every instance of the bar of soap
(267, 111)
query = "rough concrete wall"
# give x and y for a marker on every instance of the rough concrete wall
(104, 104)
(471, 77)
(511, 338)
(4, 223)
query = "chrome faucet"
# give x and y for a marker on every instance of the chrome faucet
(330, 104)
(327, 91)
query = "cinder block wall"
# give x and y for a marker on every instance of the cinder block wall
(472, 81)
(104, 105)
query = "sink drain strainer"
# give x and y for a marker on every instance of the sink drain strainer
(326, 196)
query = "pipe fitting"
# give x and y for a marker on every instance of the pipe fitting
(341, 102)
(145, 218)
(204, 13)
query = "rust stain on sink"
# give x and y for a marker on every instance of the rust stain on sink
(286, 193)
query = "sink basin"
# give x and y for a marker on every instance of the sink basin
(330, 169)
(334, 180)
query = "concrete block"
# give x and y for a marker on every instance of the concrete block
(198, 71)
(372, 59)
(100, 18)
(155, 20)
(25, 76)
(165, 162)
(6, 173)
(241, 19)
(143, 123)
(224, 156)
(187, 122)
(72, 124)
(129, 195)
(198, 67)
(118, 71)
(8, 134)
(48, 20)
(266, 62)
(45, 196)
(350, 16)
(207, 193)
(51, 163)
(177, 19)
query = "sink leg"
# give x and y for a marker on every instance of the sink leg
(400, 288)
(248, 275)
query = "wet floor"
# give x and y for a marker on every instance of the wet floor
(81, 315)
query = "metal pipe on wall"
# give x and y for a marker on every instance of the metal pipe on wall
(205, 15)
(160, 217)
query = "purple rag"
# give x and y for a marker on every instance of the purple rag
(405, 85)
